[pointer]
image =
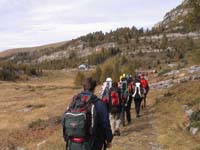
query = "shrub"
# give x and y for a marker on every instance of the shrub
(168, 94)
(36, 123)
(163, 72)
(195, 120)
(79, 78)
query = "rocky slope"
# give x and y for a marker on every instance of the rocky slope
(177, 19)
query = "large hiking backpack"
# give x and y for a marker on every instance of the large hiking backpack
(130, 88)
(79, 119)
(114, 98)
(105, 95)
(138, 91)
(144, 83)
(124, 90)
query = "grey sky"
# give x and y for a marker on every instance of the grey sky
(36, 22)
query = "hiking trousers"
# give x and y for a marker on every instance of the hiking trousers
(115, 121)
(137, 105)
(128, 109)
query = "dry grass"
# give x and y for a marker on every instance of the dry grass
(49, 97)
(170, 117)
(29, 49)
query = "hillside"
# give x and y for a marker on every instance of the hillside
(184, 18)
(163, 124)
(15, 51)
(179, 31)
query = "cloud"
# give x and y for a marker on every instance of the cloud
(36, 22)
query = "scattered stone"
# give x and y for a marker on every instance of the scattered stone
(194, 130)
(189, 112)
(21, 148)
(185, 107)
(169, 83)
(41, 143)
(27, 109)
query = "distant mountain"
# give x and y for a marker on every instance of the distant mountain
(180, 23)
(14, 51)
(184, 18)
(81, 47)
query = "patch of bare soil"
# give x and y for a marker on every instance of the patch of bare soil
(139, 135)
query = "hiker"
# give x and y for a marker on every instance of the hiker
(115, 108)
(104, 94)
(124, 97)
(145, 86)
(129, 100)
(138, 95)
(86, 124)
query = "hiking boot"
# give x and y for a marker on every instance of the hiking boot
(129, 122)
(117, 133)
(137, 115)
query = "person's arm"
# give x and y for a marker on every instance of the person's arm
(103, 118)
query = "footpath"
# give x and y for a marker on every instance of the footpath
(140, 134)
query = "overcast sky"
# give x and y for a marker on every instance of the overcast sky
(27, 23)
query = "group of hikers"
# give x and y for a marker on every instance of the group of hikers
(89, 123)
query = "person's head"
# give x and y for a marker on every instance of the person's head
(89, 84)
(115, 84)
(142, 76)
(108, 79)
(137, 79)
(109, 82)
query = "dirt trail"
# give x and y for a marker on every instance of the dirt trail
(140, 134)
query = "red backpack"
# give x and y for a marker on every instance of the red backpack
(130, 87)
(114, 98)
(105, 96)
(144, 83)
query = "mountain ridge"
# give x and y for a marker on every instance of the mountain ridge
(123, 38)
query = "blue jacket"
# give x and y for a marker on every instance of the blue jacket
(102, 131)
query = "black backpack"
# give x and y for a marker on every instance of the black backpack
(79, 120)
(124, 90)
(138, 91)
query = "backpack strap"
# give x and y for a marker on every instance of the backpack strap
(137, 87)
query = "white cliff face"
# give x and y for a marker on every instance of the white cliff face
(80, 50)
(54, 56)
(176, 15)
(172, 36)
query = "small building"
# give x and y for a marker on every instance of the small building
(83, 67)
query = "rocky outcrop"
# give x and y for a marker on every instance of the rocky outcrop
(190, 74)
(80, 50)
(172, 36)
(173, 20)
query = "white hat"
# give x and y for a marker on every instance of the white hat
(108, 80)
